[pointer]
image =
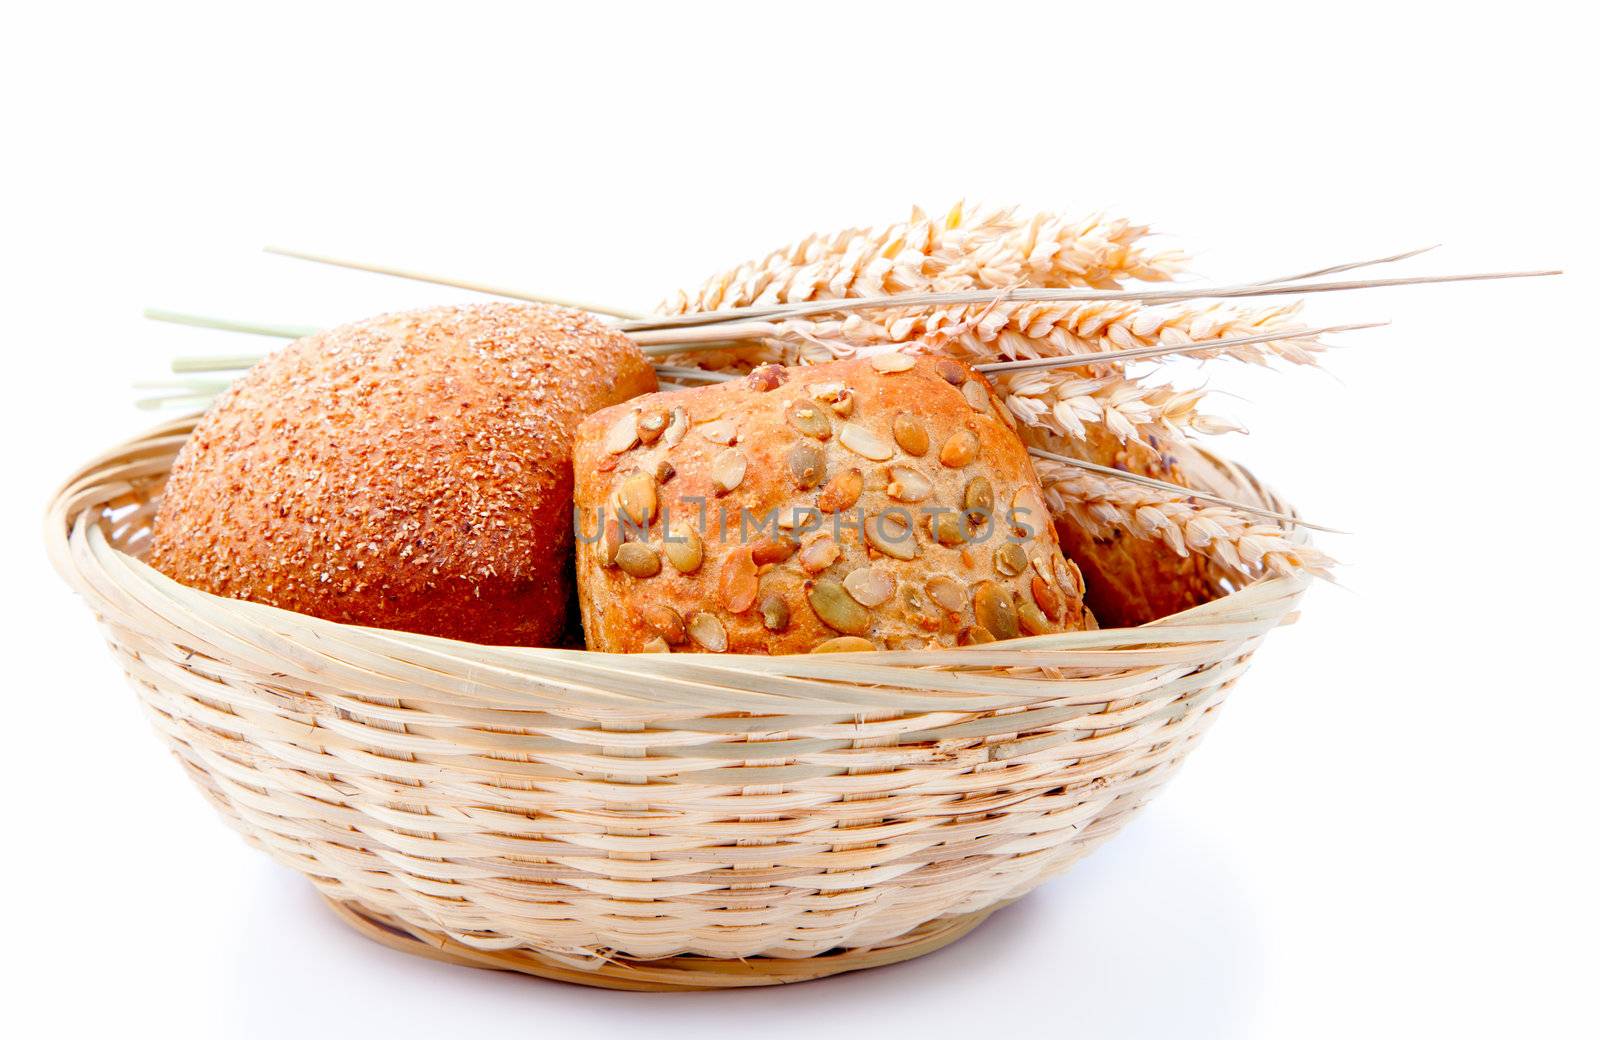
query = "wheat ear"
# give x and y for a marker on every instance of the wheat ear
(1063, 404)
(966, 247)
(1243, 545)
(1060, 405)
(1026, 331)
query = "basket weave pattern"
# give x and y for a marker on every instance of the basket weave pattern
(648, 821)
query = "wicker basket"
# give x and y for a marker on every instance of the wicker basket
(648, 821)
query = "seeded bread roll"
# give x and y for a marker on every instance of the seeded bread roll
(412, 472)
(857, 505)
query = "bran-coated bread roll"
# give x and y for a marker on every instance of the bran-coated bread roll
(412, 471)
(881, 503)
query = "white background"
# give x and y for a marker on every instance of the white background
(1393, 826)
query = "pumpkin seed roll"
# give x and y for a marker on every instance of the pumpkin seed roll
(874, 503)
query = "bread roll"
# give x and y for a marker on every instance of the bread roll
(1133, 580)
(856, 505)
(412, 472)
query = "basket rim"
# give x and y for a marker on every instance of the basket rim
(124, 590)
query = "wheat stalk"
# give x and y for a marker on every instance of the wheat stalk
(457, 283)
(254, 328)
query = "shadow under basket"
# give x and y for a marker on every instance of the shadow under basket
(650, 821)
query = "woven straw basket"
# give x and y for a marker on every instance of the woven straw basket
(651, 821)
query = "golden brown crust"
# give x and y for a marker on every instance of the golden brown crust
(864, 441)
(411, 472)
(1133, 580)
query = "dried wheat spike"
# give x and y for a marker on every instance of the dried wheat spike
(1063, 403)
(1053, 406)
(966, 248)
(1041, 330)
(1242, 545)
(1009, 331)
(1245, 546)
(1048, 251)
